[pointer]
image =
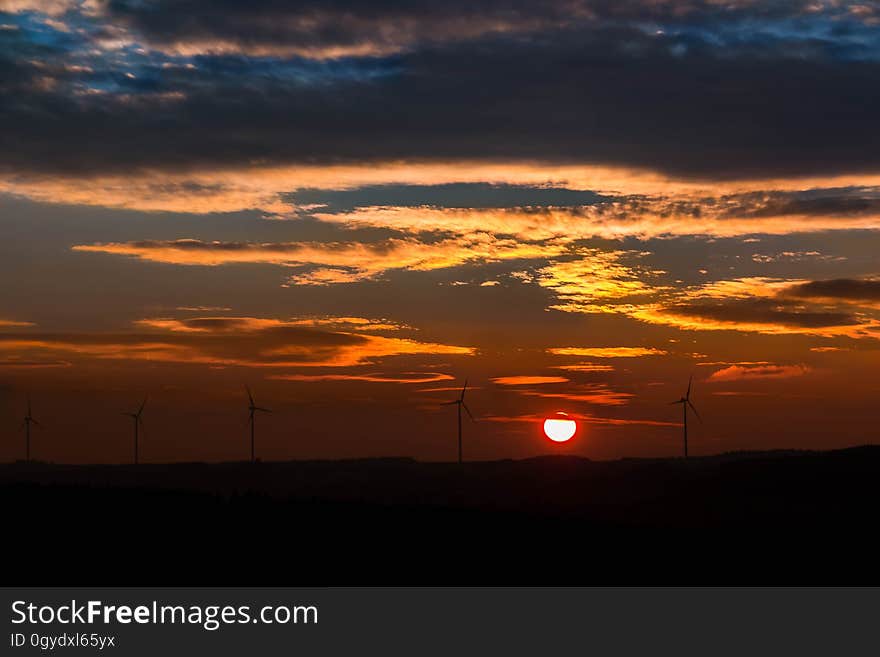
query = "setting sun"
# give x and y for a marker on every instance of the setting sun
(560, 428)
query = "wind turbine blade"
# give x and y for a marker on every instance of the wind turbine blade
(470, 415)
(250, 396)
(463, 390)
(35, 422)
(141, 409)
(694, 409)
(265, 410)
(690, 381)
(449, 403)
(676, 402)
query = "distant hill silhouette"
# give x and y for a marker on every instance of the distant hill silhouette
(741, 518)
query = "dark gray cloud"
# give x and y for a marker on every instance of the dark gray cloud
(819, 202)
(844, 289)
(761, 311)
(605, 89)
(853, 201)
(333, 24)
(394, 24)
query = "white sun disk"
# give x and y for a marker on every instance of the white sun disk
(559, 429)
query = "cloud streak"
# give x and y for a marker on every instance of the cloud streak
(526, 380)
(337, 262)
(228, 342)
(404, 377)
(607, 352)
(865, 292)
(757, 372)
(594, 393)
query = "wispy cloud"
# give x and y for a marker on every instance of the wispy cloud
(526, 380)
(250, 324)
(587, 418)
(592, 393)
(750, 372)
(607, 352)
(338, 262)
(31, 364)
(221, 341)
(403, 377)
(585, 367)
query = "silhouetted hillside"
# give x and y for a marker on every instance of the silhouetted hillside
(768, 517)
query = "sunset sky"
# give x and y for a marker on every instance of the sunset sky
(352, 206)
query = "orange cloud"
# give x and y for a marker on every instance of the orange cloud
(447, 389)
(249, 324)
(11, 323)
(326, 276)
(528, 380)
(756, 304)
(221, 341)
(20, 363)
(338, 262)
(728, 317)
(745, 363)
(211, 324)
(372, 348)
(403, 377)
(585, 367)
(360, 323)
(269, 188)
(594, 393)
(607, 352)
(665, 215)
(740, 372)
(597, 275)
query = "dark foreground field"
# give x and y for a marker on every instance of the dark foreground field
(771, 517)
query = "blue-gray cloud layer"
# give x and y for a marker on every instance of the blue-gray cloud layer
(757, 89)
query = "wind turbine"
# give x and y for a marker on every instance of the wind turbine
(253, 408)
(138, 422)
(460, 403)
(685, 402)
(26, 423)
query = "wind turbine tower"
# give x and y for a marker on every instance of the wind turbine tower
(138, 422)
(26, 423)
(685, 402)
(460, 403)
(253, 409)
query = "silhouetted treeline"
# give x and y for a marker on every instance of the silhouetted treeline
(775, 518)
